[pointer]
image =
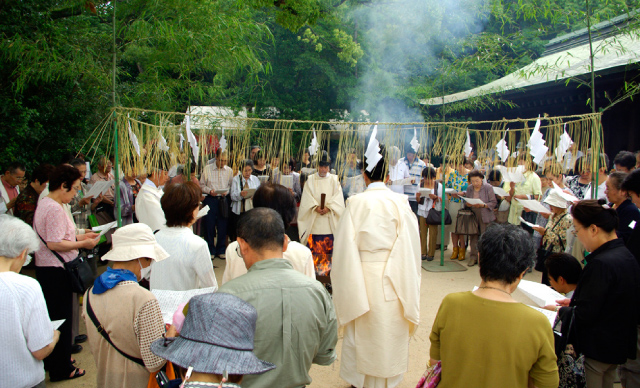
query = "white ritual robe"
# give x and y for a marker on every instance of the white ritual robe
(4, 198)
(309, 221)
(299, 256)
(148, 208)
(376, 286)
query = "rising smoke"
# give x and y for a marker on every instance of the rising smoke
(404, 41)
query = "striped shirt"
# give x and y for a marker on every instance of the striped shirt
(214, 178)
(415, 171)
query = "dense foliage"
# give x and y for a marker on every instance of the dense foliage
(310, 59)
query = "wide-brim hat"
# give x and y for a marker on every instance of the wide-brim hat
(555, 199)
(217, 337)
(135, 241)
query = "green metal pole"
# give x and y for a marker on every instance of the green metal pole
(442, 202)
(115, 128)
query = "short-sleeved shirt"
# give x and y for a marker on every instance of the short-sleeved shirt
(26, 328)
(54, 225)
(458, 182)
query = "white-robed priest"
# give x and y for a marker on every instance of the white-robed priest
(376, 281)
(321, 206)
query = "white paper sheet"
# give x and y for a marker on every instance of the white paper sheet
(512, 174)
(424, 192)
(221, 192)
(55, 325)
(170, 300)
(540, 294)
(203, 212)
(402, 182)
(528, 223)
(533, 205)
(504, 206)
(308, 171)
(551, 315)
(287, 181)
(500, 191)
(104, 229)
(249, 192)
(263, 178)
(632, 225)
(473, 201)
(450, 191)
(98, 188)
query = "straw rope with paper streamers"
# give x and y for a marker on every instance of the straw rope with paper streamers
(281, 140)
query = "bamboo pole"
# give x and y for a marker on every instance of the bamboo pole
(116, 173)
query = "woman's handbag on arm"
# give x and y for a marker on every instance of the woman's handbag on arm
(467, 223)
(434, 217)
(78, 270)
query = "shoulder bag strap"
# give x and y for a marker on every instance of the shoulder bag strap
(554, 228)
(56, 254)
(104, 333)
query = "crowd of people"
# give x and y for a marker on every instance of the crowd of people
(308, 250)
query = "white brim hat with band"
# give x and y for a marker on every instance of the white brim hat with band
(133, 242)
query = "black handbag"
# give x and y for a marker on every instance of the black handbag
(467, 223)
(78, 270)
(223, 207)
(434, 217)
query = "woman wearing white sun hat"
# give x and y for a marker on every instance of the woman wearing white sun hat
(129, 316)
(554, 235)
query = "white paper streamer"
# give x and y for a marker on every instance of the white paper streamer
(192, 141)
(313, 148)
(162, 143)
(223, 142)
(563, 145)
(373, 150)
(181, 141)
(134, 139)
(537, 147)
(414, 142)
(467, 146)
(502, 149)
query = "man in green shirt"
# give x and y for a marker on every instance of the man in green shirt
(296, 321)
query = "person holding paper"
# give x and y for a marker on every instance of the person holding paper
(81, 204)
(9, 189)
(530, 188)
(564, 272)
(278, 198)
(27, 200)
(240, 198)
(376, 280)
(189, 265)
(104, 174)
(425, 204)
(485, 338)
(483, 191)
(148, 208)
(216, 183)
(27, 336)
(554, 234)
(320, 209)
(628, 213)
(128, 313)
(502, 209)
(457, 180)
(58, 234)
(397, 171)
(580, 183)
(260, 167)
(415, 167)
(605, 302)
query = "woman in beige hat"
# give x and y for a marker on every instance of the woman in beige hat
(554, 235)
(122, 318)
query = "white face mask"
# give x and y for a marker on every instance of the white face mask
(145, 273)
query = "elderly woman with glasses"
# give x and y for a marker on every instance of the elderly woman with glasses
(57, 232)
(484, 338)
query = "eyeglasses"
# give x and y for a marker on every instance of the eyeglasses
(238, 251)
(576, 230)
(76, 188)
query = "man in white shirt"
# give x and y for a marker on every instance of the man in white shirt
(415, 167)
(397, 171)
(148, 208)
(216, 183)
(9, 186)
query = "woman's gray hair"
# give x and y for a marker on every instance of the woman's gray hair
(16, 236)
